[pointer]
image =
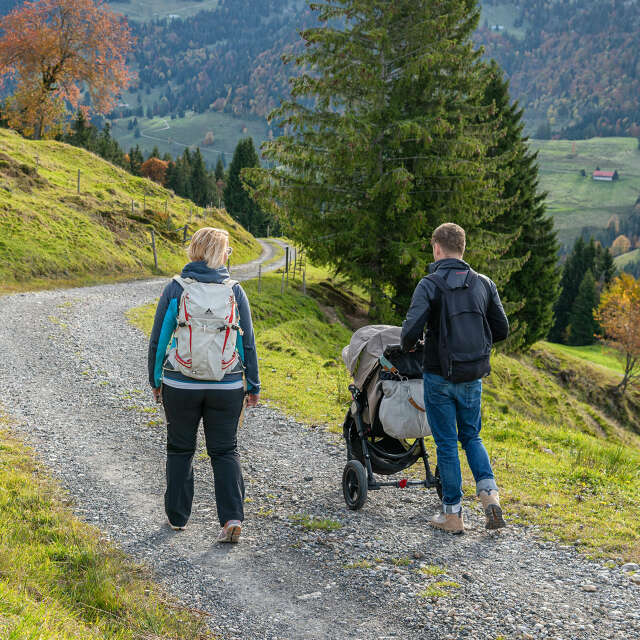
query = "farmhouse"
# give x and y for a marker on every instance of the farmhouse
(605, 176)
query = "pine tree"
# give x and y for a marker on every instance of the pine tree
(219, 169)
(199, 179)
(605, 267)
(135, 160)
(387, 137)
(582, 326)
(533, 289)
(237, 200)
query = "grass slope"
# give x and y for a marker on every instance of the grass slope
(563, 463)
(60, 579)
(597, 354)
(51, 235)
(575, 202)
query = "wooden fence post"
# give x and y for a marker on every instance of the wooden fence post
(259, 277)
(153, 245)
(286, 260)
(132, 208)
(304, 282)
(78, 180)
(295, 261)
(186, 231)
(144, 203)
(282, 284)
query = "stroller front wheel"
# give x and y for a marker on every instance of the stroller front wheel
(354, 485)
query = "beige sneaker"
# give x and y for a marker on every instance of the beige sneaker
(451, 522)
(176, 528)
(230, 532)
(492, 509)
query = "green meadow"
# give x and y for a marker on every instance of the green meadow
(575, 201)
(53, 235)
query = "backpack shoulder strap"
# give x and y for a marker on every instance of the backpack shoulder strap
(439, 281)
(230, 283)
(472, 277)
(183, 281)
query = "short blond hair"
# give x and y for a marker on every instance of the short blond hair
(209, 245)
(451, 238)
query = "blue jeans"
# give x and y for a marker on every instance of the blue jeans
(447, 405)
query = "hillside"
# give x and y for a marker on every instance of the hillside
(50, 234)
(577, 202)
(572, 65)
(557, 438)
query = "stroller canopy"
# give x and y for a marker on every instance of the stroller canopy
(367, 344)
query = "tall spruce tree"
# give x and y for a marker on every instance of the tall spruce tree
(219, 172)
(582, 325)
(237, 200)
(532, 290)
(386, 137)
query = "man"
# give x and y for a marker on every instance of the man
(464, 317)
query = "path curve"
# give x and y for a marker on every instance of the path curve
(74, 379)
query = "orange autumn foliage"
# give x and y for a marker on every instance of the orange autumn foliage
(154, 169)
(52, 48)
(619, 316)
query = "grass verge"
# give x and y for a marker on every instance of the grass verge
(53, 235)
(60, 579)
(563, 463)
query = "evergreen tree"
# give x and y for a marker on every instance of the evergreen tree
(387, 137)
(604, 266)
(199, 178)
(135, 160)
(582, 326)
(237, 200)
(532, 290)
(219, 169)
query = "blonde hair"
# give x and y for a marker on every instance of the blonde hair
(209, 244)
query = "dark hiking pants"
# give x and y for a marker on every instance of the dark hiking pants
(220, 410)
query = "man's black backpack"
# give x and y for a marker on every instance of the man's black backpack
(464, 347)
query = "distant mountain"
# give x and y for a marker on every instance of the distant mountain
(573, 65)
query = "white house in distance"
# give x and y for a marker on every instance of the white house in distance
(605, 176)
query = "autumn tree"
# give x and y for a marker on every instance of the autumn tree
(50, 50)
(619, 316)
(620, 245)
(154, 169)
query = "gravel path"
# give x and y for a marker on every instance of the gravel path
(75, 382)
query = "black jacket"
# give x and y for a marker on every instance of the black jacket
(425, 310)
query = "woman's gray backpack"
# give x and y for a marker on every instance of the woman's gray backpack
(465, 341)
(207, 327)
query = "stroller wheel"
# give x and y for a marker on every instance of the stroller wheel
(438, 483)
(354, 485)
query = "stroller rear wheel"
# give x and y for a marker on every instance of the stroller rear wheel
(438, 482)
(354, 485)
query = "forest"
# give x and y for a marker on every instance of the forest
(577, 65)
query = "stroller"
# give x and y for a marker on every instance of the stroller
(374, 358)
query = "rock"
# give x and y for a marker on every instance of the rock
(635, 579)
(590, 588)
(630, 566)
(310, 596)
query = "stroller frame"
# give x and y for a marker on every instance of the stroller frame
(358, 479)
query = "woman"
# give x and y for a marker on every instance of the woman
(199, 385)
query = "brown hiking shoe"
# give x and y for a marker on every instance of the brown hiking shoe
(230, 532)
(492, 510)
(451, 522)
